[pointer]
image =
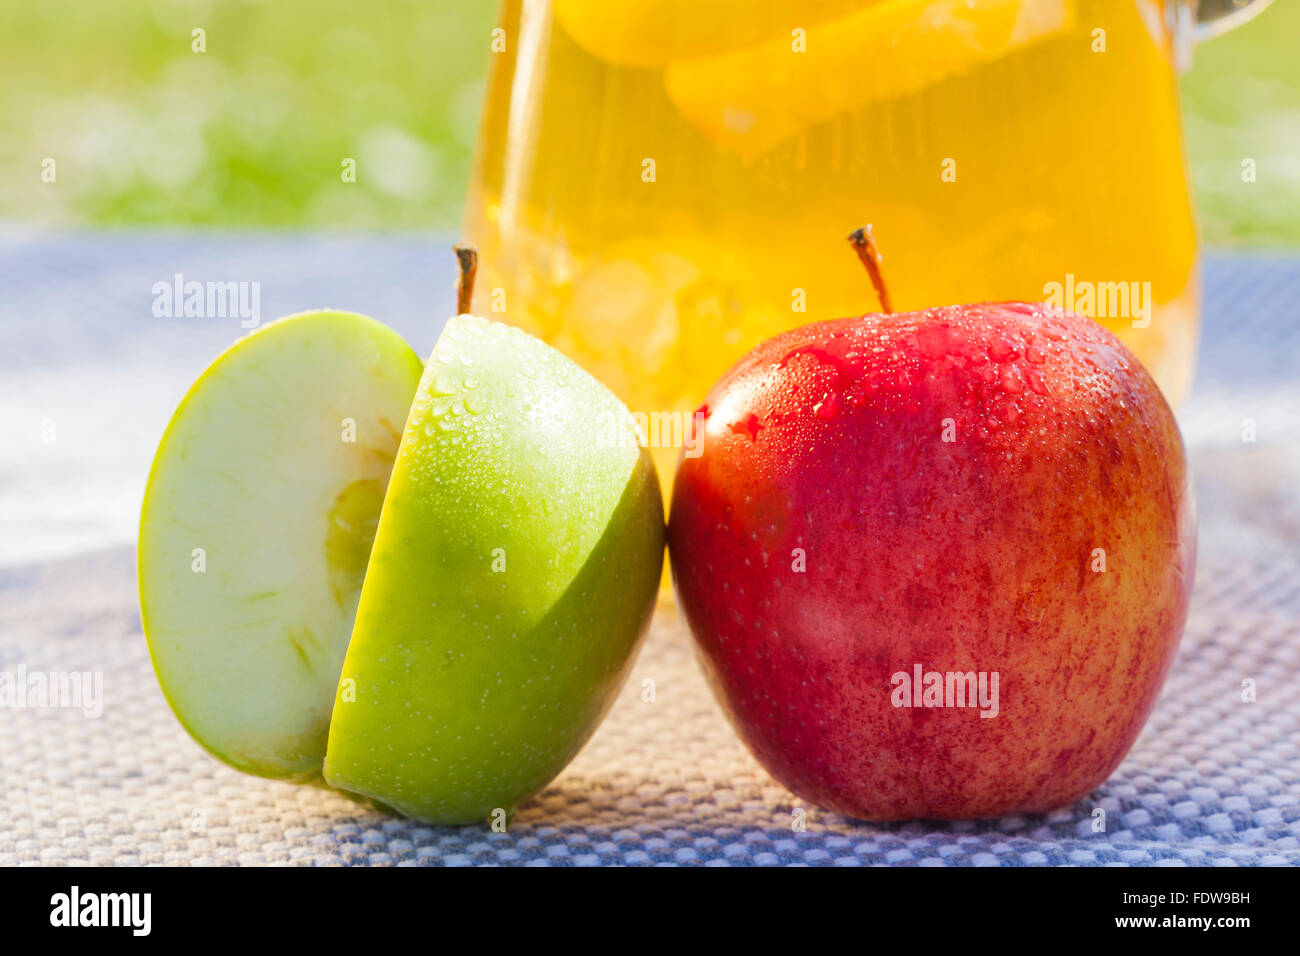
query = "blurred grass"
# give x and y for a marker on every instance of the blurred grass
(253, 133)
(1242, 100)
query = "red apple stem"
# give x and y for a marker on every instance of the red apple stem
(865, 246)
(467, 257)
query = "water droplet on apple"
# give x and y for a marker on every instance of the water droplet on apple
(828, 407)
(1002, 350)
(444, 384)
(749, 425)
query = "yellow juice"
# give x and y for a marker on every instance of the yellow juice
(662, 184)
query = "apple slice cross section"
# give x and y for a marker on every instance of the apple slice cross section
(511, 582)
(256, 528)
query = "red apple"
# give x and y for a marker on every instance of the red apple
(994, 491)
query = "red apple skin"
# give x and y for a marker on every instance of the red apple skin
(975, 554)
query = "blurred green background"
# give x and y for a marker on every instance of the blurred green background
(252, 133)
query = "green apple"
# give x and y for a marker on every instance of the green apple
(257, 524)
(512, 579)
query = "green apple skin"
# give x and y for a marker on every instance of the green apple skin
(257, 523)
(512, 580)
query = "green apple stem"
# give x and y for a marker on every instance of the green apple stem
(865, 246)
(467, 257)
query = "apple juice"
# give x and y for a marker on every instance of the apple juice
(662, 184)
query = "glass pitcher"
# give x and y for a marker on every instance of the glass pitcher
(662, 184)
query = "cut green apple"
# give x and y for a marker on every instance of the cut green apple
(514, 568)
(512, 579)
(256, 528)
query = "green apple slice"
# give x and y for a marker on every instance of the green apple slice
(256, 528)
(512, 579)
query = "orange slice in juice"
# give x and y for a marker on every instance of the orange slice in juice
(650, 33)
(749, 100)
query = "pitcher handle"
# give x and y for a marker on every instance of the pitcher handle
(1191, 21)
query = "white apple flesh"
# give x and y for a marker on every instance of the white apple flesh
(257, 525)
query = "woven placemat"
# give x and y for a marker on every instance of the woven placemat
(1211, 780)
